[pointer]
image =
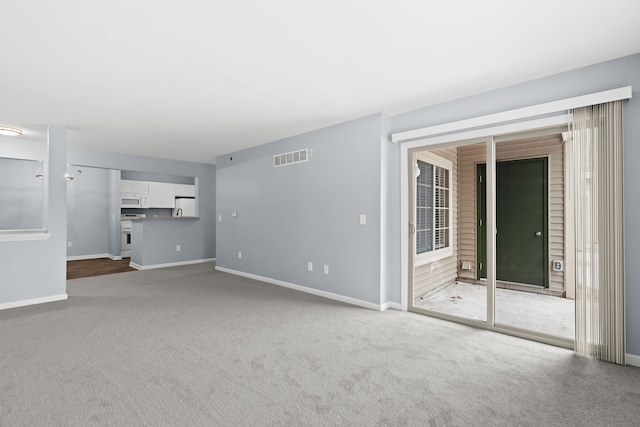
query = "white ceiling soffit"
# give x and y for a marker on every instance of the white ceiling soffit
(192, 80)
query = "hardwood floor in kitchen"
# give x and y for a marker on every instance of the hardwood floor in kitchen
(96, 267)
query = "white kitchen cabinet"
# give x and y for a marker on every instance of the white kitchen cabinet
(185, 190)
(168, 195)
(155, 194)
(161, 195)
(141, 187)
(126, 186)
(134, 187)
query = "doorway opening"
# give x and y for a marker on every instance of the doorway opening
(521, 223)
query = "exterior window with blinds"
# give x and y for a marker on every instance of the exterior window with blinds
(433, 208)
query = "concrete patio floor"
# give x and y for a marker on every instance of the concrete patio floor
(541, 313)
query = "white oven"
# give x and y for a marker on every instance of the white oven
(125, 233)
(125, 238)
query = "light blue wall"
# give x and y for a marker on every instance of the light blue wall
(391, 162)
(156, 241)
(203, 239)
(13, 147)
(605, 76)
(308, 211)
(21, 194)
(37, 269)
(114, 213)
(88, 211)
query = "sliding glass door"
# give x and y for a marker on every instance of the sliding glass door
(443, 233)
(488, 240)
(531, 285)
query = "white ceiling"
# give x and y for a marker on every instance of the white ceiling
(191, 80)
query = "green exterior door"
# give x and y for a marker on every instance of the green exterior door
(521, 217)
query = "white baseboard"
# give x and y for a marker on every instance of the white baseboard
(337, 297)
(392, 305)
(633, 360)
(81, 257)
(33, 301)
(115, 258)
(169, 264)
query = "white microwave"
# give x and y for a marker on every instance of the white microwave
(134, 200)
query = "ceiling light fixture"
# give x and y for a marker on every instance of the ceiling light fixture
(9, 131)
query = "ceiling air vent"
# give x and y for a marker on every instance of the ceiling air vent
(291, 158)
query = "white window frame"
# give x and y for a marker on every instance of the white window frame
(435, 254)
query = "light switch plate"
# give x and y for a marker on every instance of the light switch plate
(363, 219)
(310, 266)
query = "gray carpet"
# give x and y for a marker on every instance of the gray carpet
(191, 346)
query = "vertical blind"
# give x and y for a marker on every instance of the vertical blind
(599, 235)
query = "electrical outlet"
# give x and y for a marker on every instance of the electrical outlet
(557, 265)
(69, 244)
(310, 266)
(239, 255)
(178, 248)
(326, 269)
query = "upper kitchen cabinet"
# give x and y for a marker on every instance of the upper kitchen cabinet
(134, 187)
(162, 195)
(185, 190)
(143, 190)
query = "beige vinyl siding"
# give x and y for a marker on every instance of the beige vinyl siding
(469, 157)
(549, 146)
(444, 271)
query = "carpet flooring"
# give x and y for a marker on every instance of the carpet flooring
(96, 267)
(189, 346)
